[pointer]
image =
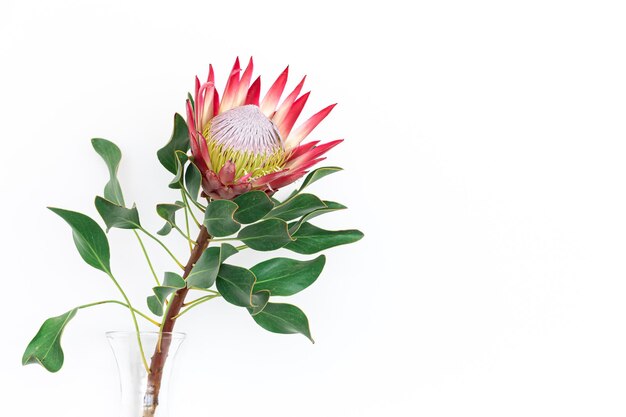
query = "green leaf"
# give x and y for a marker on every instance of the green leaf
(171, 282)
(330, 206)
(283, 318)
(311, 239)
(45, 348)
(204, 272)
(266, 235)
(90, 240)
(259, 301)
(193, 179)
(168, 213)
(253, 206)
(235, 284)
(284, 276)
(177, 181)
(179, 141)
(112, 157)
(219, 220)
(155, 306)
(297, 206)
(318, 174)
(117, 216)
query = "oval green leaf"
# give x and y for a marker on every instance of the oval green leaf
(219, 220)
(235, 284)
(284, 319)
(284, 276)
(311, 239)
(90, 240)
(204, 272)
(253, 206)
(266, 235)
(297, 206)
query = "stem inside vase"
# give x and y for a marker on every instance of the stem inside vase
(162, 349)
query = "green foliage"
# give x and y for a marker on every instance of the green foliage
(318, 174)
(235, 284)
(297, 206)
(283, 318)
(311, 239)
(117, 216)
(266, 235)
(252, 206)
(180, 160)
(193, 180)
(45, 347)
(171, 283)
(330, 206)
(204, 272)
(112, 157)
(179, 141)
(168, 213)
(259, 301)
(219, 220)
(90, 240)
(284, 276)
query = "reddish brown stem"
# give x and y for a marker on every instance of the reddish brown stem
(157, 363)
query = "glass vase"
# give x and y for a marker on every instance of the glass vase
(137, 395)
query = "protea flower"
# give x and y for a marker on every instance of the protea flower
(242, 143)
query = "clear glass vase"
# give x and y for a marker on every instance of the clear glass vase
(137, 397)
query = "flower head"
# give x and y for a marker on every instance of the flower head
(241, 143)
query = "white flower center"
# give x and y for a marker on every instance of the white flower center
(245, 129)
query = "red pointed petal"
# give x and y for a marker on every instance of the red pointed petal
(317, 151)
(273, 95)
(302, 149)
(205, 108)
(244, 84)
(287, 103)
(211, 77)
(193, 135)
(254, 92)
(232, 86)
(292, 115)
(307, 127)
(227, 173)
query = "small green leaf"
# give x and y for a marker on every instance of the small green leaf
(155, 306)
(117, 216)
(193, 179)
(330, 206)
(204, 272)
(284, 276)
(297, 206)
(253, 206)
(90, 240)
(283, 318)
(235, 284)
(311, 239)
(168, 213)
(45, 348)
(177, 181)
(266, 235)
(318, 174)
(219, 220)
(171, 282)
(112, 157)
(259, 301)
(178, 142)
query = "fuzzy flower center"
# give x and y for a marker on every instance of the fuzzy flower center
(246, 137)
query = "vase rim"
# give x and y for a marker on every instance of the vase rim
(173, 335)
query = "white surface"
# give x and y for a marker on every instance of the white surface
(484, 160)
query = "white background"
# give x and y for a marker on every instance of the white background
(484, 160)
